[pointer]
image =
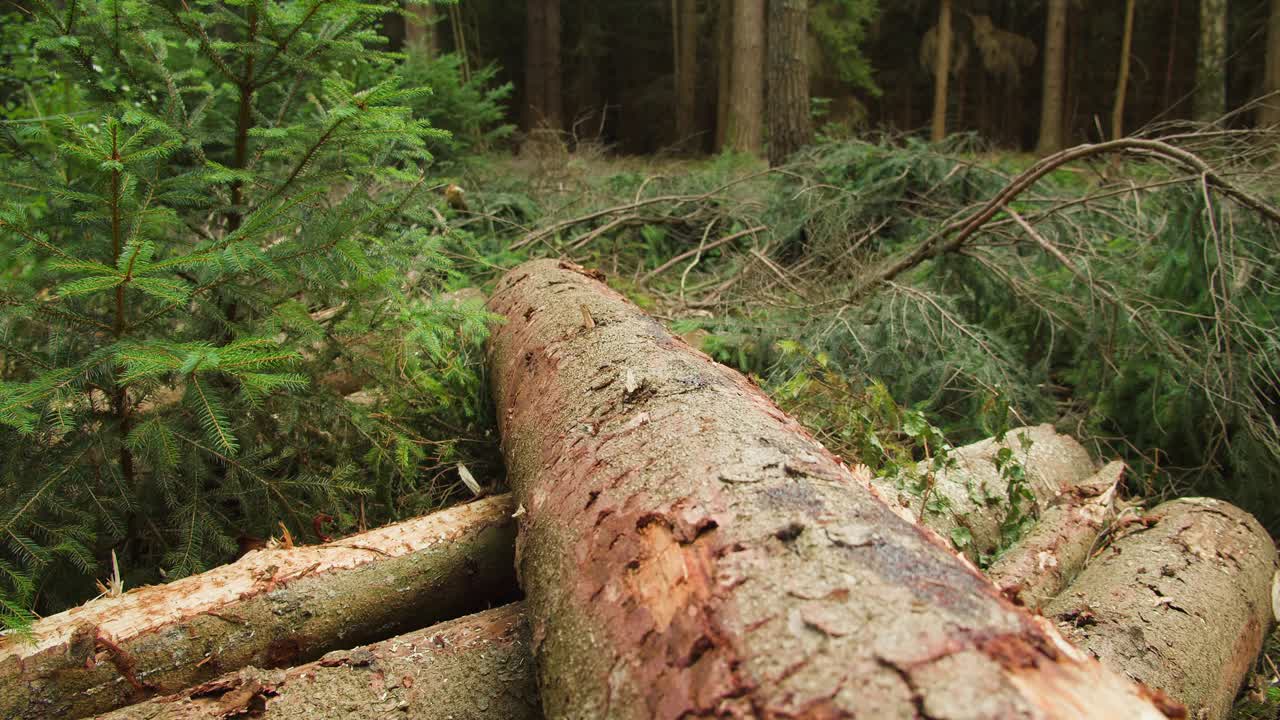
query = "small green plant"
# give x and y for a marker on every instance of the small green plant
(211, 248)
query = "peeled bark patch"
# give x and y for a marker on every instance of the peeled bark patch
(473, 668)
(1040, 565)
(1182, 606)
(271, 608)
(688, 550)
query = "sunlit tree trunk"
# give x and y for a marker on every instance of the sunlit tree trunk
(420, 30)
(941, 72)
(684, 15)
(746, 85)
(1122, 84)
(542, 106)
(789, 125)
(1055, 46)
(1269, 113)
(1210, 100)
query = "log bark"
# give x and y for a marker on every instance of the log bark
(688, 550)
(271, 608)
(1040, 565)
(974, 494)
(473, 668)
(1182, 605)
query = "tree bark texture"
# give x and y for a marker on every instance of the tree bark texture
(543, 104)
(941, 73)
(790, 127)
(1182, 605)
(1052, 137)
(271, 608)
(1041, 564)
(685, 38)
(746, 83)
(473, 668)
(975, 494)
(420, 30)
(688, 550)
(1122, 83)
(1269, 112)
(1209, 102)
(724, 71)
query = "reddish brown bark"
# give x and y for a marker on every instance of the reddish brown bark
(1181, 601)
(474, 668)
(688, 550)
(271, 608)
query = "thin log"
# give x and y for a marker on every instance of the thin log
(974, 495)
(1056, 549)
(1180, 603)
(688, 550)
(273, 607)
(473, 668)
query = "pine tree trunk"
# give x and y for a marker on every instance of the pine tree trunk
(724, 71)
(420, 30)
(746, 91)
(688, 550)
(543, 104)
(941, 72)
(1182, 605)
(790, 127)
(1122, 83)
(473, 668)
(1052, 138)
(273, 607)
(685, 38)
(1269, 111)
(1210, 98)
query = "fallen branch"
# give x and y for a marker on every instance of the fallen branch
(1182, 605)
(473, 668)
(688, 550)
(271, 608)
(644, 280)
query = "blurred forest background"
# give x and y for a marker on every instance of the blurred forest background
(242, 243)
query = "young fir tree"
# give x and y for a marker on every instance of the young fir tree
(214, 230)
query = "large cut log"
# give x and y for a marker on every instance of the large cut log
(972, 495)
(1181, 603)
(273, 607)
(1040, 565)
(688, 550)
(473, 668)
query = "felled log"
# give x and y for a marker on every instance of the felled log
(688, 550)
(273, 607)
(1181, 602)
(1040, 565)
(473, 668)
(973, 494)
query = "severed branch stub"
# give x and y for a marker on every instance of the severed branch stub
(688, 550)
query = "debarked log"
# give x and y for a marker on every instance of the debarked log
(472, 668)
(1182, 602)
(271, 608)
(688, 550)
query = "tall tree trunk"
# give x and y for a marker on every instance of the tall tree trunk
(1166, 96)
(543, 102)
(1269, 112)
(684, 15)
(724, 71)
(1052, 138)
(941, 72)
(1209, 102)
(790, 127)
(420, 30)
(688, 550)
(1122, 83)
(746, 91)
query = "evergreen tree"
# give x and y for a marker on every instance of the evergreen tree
(224, 214)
